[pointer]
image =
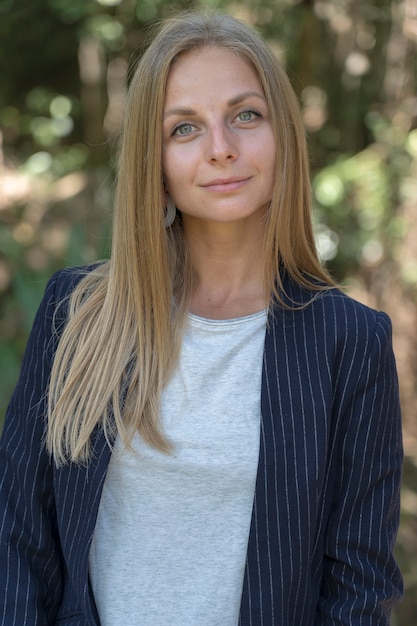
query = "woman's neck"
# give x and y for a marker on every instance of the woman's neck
(228, 265)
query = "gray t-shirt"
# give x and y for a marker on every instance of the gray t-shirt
(172, 530)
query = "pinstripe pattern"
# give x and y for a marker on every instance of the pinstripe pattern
(326, 505)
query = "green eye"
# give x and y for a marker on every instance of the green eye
(183, 129)
(246, 116)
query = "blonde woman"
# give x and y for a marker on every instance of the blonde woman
(206, 431)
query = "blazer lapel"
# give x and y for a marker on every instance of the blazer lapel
(257, 572)
(292, 462)
(78, 492)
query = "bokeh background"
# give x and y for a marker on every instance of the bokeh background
(64, 66)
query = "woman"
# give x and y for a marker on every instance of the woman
(222, 424)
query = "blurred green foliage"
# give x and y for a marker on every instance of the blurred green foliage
(63, 70)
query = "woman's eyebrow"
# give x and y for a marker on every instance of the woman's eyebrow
(179, 111)
(188, 111)
(244, 96)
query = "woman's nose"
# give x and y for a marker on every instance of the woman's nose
(221, 144)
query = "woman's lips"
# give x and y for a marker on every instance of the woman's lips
(225, 184)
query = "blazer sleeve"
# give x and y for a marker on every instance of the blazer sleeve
(361, 580)
(30, 557)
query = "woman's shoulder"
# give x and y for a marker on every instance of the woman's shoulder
(344, 307)
(330, 326)
(63, 282)
(335, 310)
(62, 285)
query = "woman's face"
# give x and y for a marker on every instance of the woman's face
(219, 148)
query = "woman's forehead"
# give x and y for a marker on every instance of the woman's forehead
(196, 70)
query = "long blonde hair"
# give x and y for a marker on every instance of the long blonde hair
(123, 333)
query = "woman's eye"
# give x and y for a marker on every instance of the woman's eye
(183, 129)
(247, 116)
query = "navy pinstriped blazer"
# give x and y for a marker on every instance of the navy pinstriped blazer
(326, 505)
